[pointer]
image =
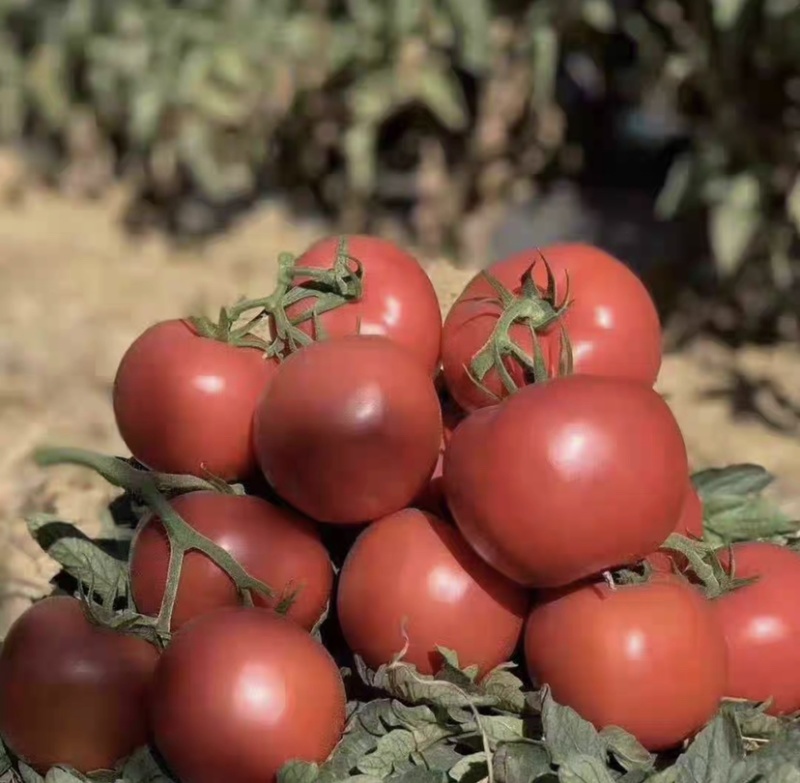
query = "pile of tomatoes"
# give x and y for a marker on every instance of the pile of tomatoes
(332, 471)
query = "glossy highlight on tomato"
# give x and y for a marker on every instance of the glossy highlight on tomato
(612, 323)
(241, 691)
(184, 403)
(398, 301)
(73, 692)
(761, 622)
(650, 658)
(278, 546)
(349, 430)
(414, 570)
(567, 478)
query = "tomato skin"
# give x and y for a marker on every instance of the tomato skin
(761, 622)
(72, 692)
(649, 658)
(432, 498)
(349, 430)
(398, 301)
(241, 691)
(567, 478)
(184, 403)
(613, 324)
(413, 566)
(690, 524)
(278, 546)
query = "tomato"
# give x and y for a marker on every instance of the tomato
(398, 299)
(649, 658)
(761, 622)
(567, 478)
(412, 567)
(184, 403)
(612, 323)
(349, 430)
(275, 545)
(690, 524)
(73, 692)
(241, 691)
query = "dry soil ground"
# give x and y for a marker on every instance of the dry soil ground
(75, 290)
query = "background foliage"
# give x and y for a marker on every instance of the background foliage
(439, 111)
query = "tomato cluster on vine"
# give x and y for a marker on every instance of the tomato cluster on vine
(332, 472)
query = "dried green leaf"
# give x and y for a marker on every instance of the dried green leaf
(28, 774)
(64, 775)
(584, 769)
(5, 759)
(419, 775)
(470, 769)
(141, 767)
(298, 772)
(522, 761)
(397, 746)
(713, 753)
(734, 221)
(566, 734)
(506, 687)
(626, 749)
(773, 759)
(81, 557)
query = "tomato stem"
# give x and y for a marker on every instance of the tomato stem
(182, 536)
(539, 311)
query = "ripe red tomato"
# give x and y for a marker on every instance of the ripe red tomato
(690, 524)
(649, 658)
(567, 478)
(73, 692)
(275, 545)
(398, 300)
(349, 429)
(761, 622)
(241, 691)
(612, 324)
(412, 566)
(184, 403)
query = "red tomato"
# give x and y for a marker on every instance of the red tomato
(567, 478)
(73, 692)
(649, 658)
(349, 430)
(612, 324)
(412, 566)
(275, 545)
(184, 403)
(241, 691)
(761, 622)
(690, 524)
(398, 299)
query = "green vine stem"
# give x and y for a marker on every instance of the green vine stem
(331, 288)
(539, 311)
(182, 536)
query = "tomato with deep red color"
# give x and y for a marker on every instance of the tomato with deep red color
(398, 299)
(612, 323)
(567, 478)
(650, 658)
(413, 569)
(349, 430)
(239, 692)
(690, 524)
(275, 545)
(184, 403)
(761, 621)
(73, 692)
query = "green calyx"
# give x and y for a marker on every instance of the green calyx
(539, 310)
(329, 288)
(183, 538)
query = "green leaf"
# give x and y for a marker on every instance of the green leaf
(470, 768)
(438, 88)
(64, 775)
(599, 15)
(733, 519)
(5, 759)
(298, 772)
(566, 734)
(713, 753)
(472, 22)
(546, 52)
(397, 746)
(28, 774)
(584, 769)
(80, 557)
(726, 13)
(406, 17)
(772, 759)
(522, 761)
(626, 749)
(738, 480)
(506, 687)
(679, 188)
(497, 728)
(419, 775)
(141, 767)
(793, 204)
(734, 221)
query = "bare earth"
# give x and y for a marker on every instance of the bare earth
(75, 291)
